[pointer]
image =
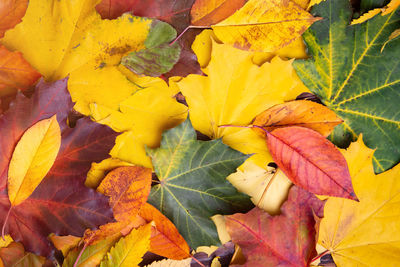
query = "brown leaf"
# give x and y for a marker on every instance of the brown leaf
(311, 161)
(298, 113)
(14, 255)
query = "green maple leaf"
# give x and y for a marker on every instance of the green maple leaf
(193, 185)
(354, 78)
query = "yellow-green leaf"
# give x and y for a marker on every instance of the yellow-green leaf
(32, 159)
(128, 251)
(364, 233)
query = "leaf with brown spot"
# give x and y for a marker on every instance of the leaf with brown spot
(311, 161)
(298, 113)
(11, 13)
(15, 72)
(287, 239)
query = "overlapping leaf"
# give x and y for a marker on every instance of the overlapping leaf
(354, 78)
(366, 232)
(11, 13)
(61, 204)
(283, 240)
(192, 184)
(236, 91)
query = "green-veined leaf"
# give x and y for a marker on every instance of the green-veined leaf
(193, 185)
(355, 79)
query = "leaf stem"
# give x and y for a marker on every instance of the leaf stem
(267, 187)
(186, 29)
(80, 255)
(3, 229)
(320, 255)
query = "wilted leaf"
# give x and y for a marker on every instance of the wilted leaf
(268, 188)
(61, 195)
(339, 73)
(310, 161)
(234, 92)
(11, 13)
(205, 12)
(165, 239)
(14, 255)
(152, 102)
(265, 25)
(15, 72)
(285, 240)
(128, 251)
(298, 113)
(192, 184)
(32, 158)
(174, 12)
(366, 232)
(128, 188)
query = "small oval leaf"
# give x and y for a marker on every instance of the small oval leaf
(33, 157)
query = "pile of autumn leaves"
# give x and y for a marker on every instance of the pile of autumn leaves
(100, 161)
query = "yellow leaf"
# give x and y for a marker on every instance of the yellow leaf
(254, 180)
(234, 91)
(265, 25)
(144, 115)
(364, 233)
(64, 243)
(128, 251)
(60, 37)
(366, 16)
(392, 6)
(33, 157)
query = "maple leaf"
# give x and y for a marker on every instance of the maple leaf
(260, 235)
(234, 92)
(51, 206)
(128, 251)
(11, 13)
(152, 102)
(15, 255)
(174, 12)
(364, 232)
(264, 25)
(339, 73)
(192, 183)
(15, 72)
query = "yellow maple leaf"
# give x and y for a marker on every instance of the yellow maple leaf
(364, 233)
(32, 158)
(265, 25)
(234, 91)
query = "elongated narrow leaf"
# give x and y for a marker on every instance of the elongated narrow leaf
(311, 161)
(33, 157)
(207, 13)
(355, 78)
(193, 185)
